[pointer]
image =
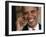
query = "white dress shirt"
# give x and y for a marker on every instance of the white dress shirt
(35, 29)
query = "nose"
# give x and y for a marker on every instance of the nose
(29, 14)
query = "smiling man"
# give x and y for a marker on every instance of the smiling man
(29, 19)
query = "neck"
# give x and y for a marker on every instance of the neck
(33, 26)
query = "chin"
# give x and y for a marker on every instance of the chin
(31, 25)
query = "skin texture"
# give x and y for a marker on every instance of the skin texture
(30, 14)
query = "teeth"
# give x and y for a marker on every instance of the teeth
(31, 20)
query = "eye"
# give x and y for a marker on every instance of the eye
(33, 11)
(25, 13)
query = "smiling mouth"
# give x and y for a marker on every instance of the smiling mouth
(31, 19)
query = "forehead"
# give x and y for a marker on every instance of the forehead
(29, 8)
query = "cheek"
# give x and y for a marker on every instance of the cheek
(35, 14)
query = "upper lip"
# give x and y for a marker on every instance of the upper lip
(30, 18)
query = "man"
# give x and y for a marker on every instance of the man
(29, 19)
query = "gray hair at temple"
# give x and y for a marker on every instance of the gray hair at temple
(23, 7)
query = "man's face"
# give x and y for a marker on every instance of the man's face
(31, 14)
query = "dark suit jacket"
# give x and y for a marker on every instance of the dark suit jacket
(26, 27)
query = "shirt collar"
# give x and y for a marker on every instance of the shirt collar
(36, 28)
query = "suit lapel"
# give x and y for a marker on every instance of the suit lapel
(26, 27)
(39, 26)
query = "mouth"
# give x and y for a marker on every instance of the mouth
(31, 19)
